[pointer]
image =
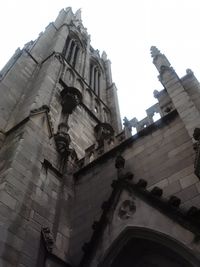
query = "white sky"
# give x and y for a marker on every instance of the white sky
(125, 30)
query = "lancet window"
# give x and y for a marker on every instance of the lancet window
(95, 77)
(71, 51)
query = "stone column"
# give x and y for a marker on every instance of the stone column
(96, 81)
(86, 66)
(107, 63)
(68, 49)
(73, 54)
(92, 77)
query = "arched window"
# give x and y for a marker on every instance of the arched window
(105, 115)
(95, 77)
(96, 107)
(71, 51)
(142, 247)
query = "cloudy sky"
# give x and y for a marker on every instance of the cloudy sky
(125, 30)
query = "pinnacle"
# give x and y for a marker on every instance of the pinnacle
(78, 14)
(154, 51)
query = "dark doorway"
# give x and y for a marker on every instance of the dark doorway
(146, 253)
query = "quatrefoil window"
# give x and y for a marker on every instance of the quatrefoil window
(127, 209)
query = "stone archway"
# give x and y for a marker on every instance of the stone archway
(141, 247)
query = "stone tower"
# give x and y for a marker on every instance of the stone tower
(75, 188)
(57, 100)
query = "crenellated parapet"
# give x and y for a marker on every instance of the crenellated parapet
(107, 140)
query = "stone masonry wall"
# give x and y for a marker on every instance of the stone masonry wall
(192, 87)
(30, 195)
(163, 157)
(81, 130)
(13, 85)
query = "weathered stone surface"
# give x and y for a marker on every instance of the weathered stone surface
(41, 184)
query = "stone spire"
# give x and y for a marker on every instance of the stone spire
(154, 51)
(159, 59)
(78, 14)
(104, 56)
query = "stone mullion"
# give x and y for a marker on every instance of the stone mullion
(73, 54)
(96, 81)
(68, 49)
(78, 63)
(92, 77)
(86, 62)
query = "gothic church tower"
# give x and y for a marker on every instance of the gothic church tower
(57, 100)
(75, 188)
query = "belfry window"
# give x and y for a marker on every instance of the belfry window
(71, 51)
(95, 76)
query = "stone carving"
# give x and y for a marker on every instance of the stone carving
(156, 93)
(78, 14)
(40, 109)
(154, 51)
(48, 238)
(196, 147)
(189, 71)
(122, 174)
(70, 98)
(126, 209)
(104, 56)
(157, 192)
(174, 201)
(62, 139)
(127, 126)
(164, 68)
(119, 162)
(103, 131)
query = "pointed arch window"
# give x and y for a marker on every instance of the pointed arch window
(71, 51)
(95, 77)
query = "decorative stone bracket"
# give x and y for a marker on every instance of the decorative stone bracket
(127, 209)
(62, 139)
(119, 165)
(48, 238)
(196, 147)
(70, 98)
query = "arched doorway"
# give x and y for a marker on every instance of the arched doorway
(141, 247)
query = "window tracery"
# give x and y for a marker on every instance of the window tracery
(72, 49)
(95, 77)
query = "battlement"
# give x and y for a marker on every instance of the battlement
(163, 107)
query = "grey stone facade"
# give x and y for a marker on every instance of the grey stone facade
(75, 188)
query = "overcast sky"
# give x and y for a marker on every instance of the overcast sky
(125, 30)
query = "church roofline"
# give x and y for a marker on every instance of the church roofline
(189, 219)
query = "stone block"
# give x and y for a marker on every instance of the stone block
(27, 261)
(4, 263)
(172, 188)
(198, 186)
(8, 200)
(181, 174)
(187, 193)
(180, 149)
(41, 220)
(162, 184)
(9, 254)
(188, 180)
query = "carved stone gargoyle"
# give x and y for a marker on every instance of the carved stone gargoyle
(103, 131)
(121, 172)
(196, 147)
(62, 139)
(70, 98)
(48, 238)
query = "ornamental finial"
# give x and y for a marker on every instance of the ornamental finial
(78, 14)
(154, 51)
